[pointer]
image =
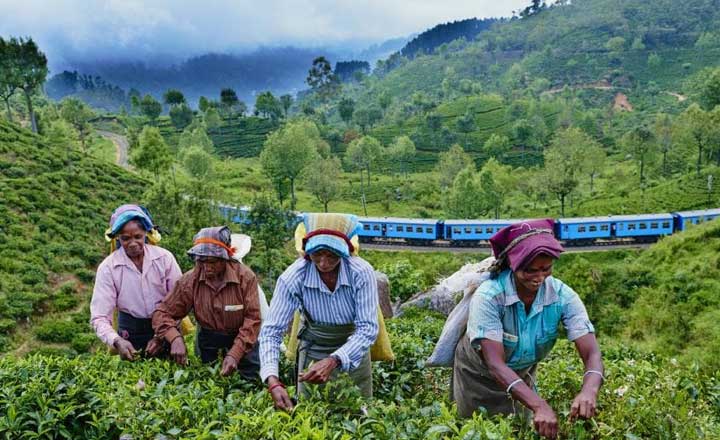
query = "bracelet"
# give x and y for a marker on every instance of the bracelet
(279, 384)
(599, 373)
(512, 384)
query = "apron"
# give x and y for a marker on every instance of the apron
(210, 345)
(138, 331)
(473, 386)
(317, 342)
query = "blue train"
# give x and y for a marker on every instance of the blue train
(577, 231)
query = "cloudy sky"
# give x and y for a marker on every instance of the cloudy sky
(135, 29)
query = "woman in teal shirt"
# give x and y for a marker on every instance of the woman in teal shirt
(513, 325)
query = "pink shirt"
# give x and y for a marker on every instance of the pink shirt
(119, 285)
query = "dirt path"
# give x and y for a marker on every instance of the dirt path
(121, 146)
(679, 97)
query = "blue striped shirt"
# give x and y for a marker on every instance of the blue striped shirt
(355, 300)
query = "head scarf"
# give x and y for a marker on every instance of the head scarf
(125, 213)
(518, 244)
(333, 232)
(212, 242)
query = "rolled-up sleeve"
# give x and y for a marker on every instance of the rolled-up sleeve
(176, 305)
(366, 321)
(103, 304)
(248, 334)
(283, 305)
(574, 316)
(484, 320)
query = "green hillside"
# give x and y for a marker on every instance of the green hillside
(56, 202)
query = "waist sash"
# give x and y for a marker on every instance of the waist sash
(138, 331)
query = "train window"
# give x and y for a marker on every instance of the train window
(565, 228)
(366, 227)
(376, 227)
(653, 225)
(400, 228)
(418, 229)
(666, 225)
(631, 226)
(457, 231)
(478, 230)
(592, 228)
(488, 230)
(581, 228)
(468, 230)
(429, 230)
(643, 225)
(604, 227)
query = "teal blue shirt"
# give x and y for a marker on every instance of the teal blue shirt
(497, 313)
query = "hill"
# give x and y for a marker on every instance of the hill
(56, 201)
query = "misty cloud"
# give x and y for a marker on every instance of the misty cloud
(174, 30)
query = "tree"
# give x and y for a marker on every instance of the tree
(640, 143)
(594, 162)
(466, 124)
(496, 145)
(174, 97)
(451, 162)
(322, 80)
(286, 101)
(196, 137)
(402, 151)
(462, 199)
(663, 136)
(495, 182)
(288, 151)
(564, 161)
(346, 107)
(706, 88)
(31, 65)
(230, 104)
(212, 118)
(197, 162)
(384, 101)
(203, 104)
(268, 106)
(324, 180)
(152, 153)
(78, 115)
(9, 75)
(701, 130)
(269, 225)
(361, 155)
(181, 116)
(150, 108)
(367, 117)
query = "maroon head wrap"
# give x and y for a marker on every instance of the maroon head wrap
(518, 244)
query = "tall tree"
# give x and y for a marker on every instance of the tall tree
(401, 152)
(462, 199)
(150, 108)
(367, 117)
(663, 136)
(32, 69)
(286, 101)
(640, 143)
(197, 162)
(564, 161)
(451, 162)
(466, 124)
(495, 182)
(324, 180)
(361, 155)
(152, 153)
(78, 115)
(9, 76)
(230, 104)
(594, 162)
(195, 137)
(496, 146)
(268, 106)
(212, 118)
(322, 80)
(346, 107)
(173, 97)
(203, 104)
(288, 151)
(384, 101)
(181, 116)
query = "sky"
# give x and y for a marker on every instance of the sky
(177, 29)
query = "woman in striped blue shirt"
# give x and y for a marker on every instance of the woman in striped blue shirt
(336, 293)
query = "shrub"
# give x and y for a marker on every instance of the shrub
(57, 331)
(7, 325)
(82, 342)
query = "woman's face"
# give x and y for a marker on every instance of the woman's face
(214, 267)
(530, 278)
(324, 260)
(132, 239)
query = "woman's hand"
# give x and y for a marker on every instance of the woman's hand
(229, 365)
(320, 371)
(125, 349)
(154, 346)
(545, 421)
(178, 352)
(584, 405)
(279, 394)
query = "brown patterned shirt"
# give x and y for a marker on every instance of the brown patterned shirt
(234, 307)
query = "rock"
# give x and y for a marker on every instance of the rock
(383, 286)
(444, 296)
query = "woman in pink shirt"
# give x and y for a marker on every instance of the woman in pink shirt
(133, 279)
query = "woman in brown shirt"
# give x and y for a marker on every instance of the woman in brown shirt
(222, 293)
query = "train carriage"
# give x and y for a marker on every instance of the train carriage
(393, 228)
(473, 231)
(584, 228)
(643, 226)
(685, 219)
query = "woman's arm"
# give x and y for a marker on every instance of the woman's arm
(544, 419)
(585, 403)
